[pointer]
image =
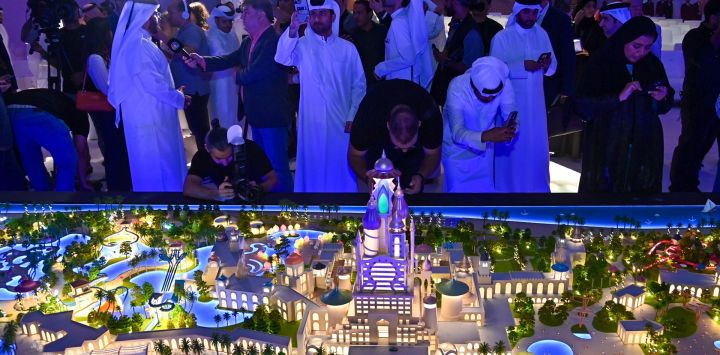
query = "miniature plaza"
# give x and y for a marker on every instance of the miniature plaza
(115, 279)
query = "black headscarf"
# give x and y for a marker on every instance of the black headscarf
(607, 72)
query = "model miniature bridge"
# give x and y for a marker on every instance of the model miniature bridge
(174, 260)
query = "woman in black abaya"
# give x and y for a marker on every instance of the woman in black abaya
(623, 91)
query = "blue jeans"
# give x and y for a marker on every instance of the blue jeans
(35, 129)
(274, 141)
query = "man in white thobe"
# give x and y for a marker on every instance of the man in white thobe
(475, 118)
(523, 165)
(332, 84)
(407, 48)
(141, 89)
(223, 87)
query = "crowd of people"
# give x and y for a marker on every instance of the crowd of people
(336, 90)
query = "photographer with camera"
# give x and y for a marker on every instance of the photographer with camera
(213, 176)
(67, 52)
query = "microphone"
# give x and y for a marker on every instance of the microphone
(177, 47)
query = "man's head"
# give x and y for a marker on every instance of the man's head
(525, 13)
(456, 7)
(362, 13)
(613, 16)
(175, 11)
(527, 18)
(635, 7)
(217, 145)
(609, 24)
(712, 14)
(256, 15)
(403, 127)
(321, 21)
(152, 25)
(487, 78)
(223, 16)
(480, 7)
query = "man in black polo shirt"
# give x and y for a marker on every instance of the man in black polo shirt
(211, 169)
(411, 137)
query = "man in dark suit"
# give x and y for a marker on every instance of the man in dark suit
(559, 29)
(263, 85)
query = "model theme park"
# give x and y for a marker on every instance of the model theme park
(112, 278)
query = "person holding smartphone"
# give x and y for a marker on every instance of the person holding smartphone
(526, 49)
(480, 111)
(622, 94)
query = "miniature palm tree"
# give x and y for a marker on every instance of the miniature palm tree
(217, 318)
(197, 347)
(9, 338)
(500, 347)
(484, 348)
(185, 346)
(162, 348)
(225, 341)
(215, 340)
(226, 317)
(238, 350)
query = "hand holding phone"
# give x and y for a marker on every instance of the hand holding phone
(544, 56)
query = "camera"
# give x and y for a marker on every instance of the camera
(48, 13)
(243, 189)
(45, 17)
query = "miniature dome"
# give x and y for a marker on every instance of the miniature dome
(294, 259)
(213, 257)
(452, 287)
(427, 266)
(430, 300)
(560, 267)
(384, 165)
(400, 204)
(337, 297)
(371, 218)
(396, 223)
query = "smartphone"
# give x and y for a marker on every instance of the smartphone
(512, 121)
(578, 45)
(302, 9)
(654, 86)
(544, 56)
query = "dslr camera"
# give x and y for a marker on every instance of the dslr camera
(244, 190)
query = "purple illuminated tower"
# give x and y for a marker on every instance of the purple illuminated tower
(385, 257)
